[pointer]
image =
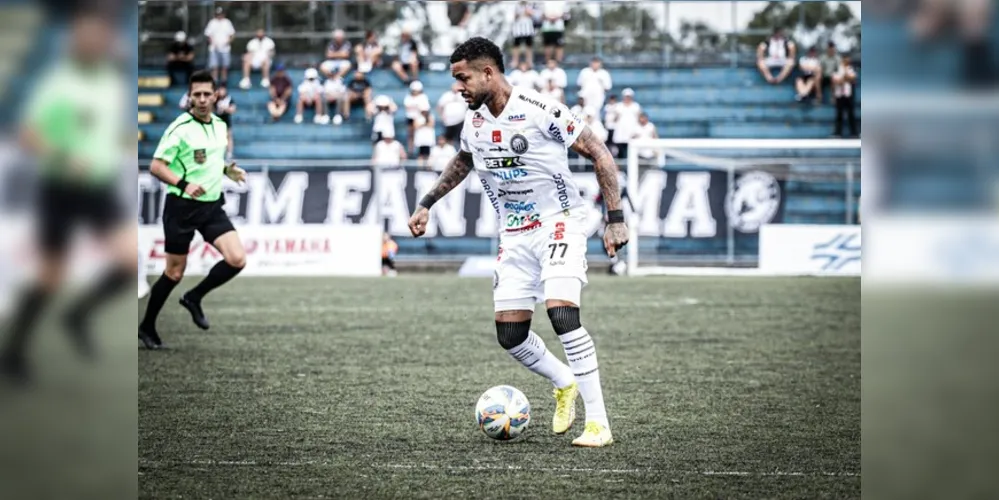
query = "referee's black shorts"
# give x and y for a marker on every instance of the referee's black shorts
(182, 217)
(63, 208)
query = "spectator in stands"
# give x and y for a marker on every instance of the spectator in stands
(552, 90)
(259, 55)
(334, 93)
(776, 54)
(388, 152)
(451, 108)
(382, 110)
(592, 120)
(220, 33)
(180, 58)
(829, 62)
(423, 136)
(280, 92)
(458, 13)
(628, 111)
(224, 109)
(610, 122)
(843, 82)
(358, 91)
(337, 62)
(974, 20)
(808, 83)
(413, 104)
(553, 29)
(553, 72)
(647, 130)
(441, 154)
(594, 81)
(579, 108)
(310, 93)
(523, 34)
(524, 76)
(389, 250)
(408, 58)
(369, 53)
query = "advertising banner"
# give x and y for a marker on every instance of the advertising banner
(799, 249)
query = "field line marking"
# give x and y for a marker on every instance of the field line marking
(426, 466)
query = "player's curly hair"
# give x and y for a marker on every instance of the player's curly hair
(479, 48)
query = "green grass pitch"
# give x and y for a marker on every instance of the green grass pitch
(365, 388)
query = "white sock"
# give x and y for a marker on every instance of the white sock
(536, 357)
(582, 356)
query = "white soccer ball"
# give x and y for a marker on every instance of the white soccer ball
(503, 412)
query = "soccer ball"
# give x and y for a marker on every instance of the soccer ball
(503, 412)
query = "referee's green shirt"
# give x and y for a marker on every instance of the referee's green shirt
(195, 151)
(77, 111)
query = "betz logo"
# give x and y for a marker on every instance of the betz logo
(842, 249)
(509, 175)
(503, 162)
(503, 193)
(753, 201)
(532, 101)
(477, 120)
(517, 118)
(497, 136)
(555, 133)
(519, 206)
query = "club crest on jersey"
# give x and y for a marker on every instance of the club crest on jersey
(477, 119)
(498, 136)
(200, 156)
(518, 143)
(517, 118)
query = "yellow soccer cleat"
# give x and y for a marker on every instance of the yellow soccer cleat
(594, 436)
(565, 408)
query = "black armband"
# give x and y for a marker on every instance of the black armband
(182, 185)
(615, 216)
(427, 202)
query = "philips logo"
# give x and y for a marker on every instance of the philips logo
(519, 206)
(509, 175)
(503, 162)
(555, 133)
(836, 253)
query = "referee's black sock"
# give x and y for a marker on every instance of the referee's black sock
(157, 297)
(113, 282)
(219, 275)
(31, 306)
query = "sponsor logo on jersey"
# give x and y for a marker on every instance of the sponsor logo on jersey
(497, 136)
(753, 202)
(519, 144)
(510, 175)
(555, 133)
(503, 193)
(517, 118)
(563, 194)
(200, 156)
(557, 112)
(489, 192)
(520, 206)
(477, 119)
(559, 231)
(498, 149)
(532, 101)
(503, 162)
(569, 129)
(526, 222)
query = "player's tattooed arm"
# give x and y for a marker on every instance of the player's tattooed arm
(590, 147)
(452, 176)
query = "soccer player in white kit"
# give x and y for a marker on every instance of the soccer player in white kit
(517, 142)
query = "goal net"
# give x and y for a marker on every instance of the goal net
(695, 206)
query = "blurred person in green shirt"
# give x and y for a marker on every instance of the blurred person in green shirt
(190, 159)
(73, 125)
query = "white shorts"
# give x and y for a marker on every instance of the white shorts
(334, 65)
(526, 260)
(257, 60)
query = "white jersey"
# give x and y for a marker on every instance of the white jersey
(521, 159)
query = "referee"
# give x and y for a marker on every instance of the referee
(190, 159)
(73, 125)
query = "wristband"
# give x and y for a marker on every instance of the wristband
(615, 216)
(427, 202)
(182, 185)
